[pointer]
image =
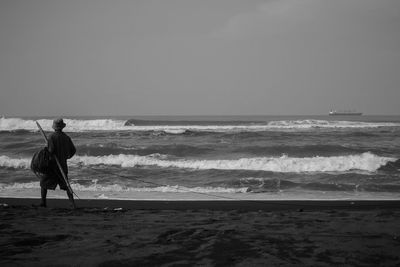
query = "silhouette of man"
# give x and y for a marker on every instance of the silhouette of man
(61, 146)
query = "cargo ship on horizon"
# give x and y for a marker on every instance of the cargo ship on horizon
(344, 113)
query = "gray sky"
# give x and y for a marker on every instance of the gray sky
(204, 57)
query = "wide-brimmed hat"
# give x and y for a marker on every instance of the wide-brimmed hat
(58, 124)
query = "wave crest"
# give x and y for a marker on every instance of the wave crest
(73, 125)
(76, 125)
(329, 124)
(20, 163)
(119, 188)
(360, 162)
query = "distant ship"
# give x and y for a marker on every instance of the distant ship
(344, 113)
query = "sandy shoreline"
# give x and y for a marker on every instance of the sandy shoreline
(243, 205)
(200, 233)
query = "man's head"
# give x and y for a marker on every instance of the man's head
(58, 124)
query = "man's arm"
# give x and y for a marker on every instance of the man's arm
(50, 144)
(72, 149)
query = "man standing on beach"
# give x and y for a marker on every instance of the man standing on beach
(61, 146)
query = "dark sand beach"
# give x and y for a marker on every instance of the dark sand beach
(200, 233)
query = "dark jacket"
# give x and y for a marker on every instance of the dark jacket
(61, 145)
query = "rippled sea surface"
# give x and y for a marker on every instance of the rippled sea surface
(237, 157)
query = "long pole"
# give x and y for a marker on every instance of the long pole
(64, 176)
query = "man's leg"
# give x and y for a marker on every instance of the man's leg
(71, 198)
(43, 193)
(63, 186)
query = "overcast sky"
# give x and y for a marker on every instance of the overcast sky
(199, 57)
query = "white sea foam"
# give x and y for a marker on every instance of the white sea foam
(175, 131)
(327, 124)
(360, 162)
(163, 189)
(95, 187)
(14, 186)
(18, 163)
(12, 124)
(75, 125)
(364, 162)
(270, 126)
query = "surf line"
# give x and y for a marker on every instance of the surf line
(199, 193)
(157, 184)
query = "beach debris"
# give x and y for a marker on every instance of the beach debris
(117, 209)
(4, 205)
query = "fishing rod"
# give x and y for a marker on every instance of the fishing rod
(64, 176)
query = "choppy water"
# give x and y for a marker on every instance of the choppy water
(236, 157)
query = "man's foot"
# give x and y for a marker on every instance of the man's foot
(43, 205)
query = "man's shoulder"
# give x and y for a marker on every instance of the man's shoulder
(58, 135)
(51, 135)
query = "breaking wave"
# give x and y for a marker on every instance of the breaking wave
(329, 124)
(95, 187)
(20, 163)
(260, 185)
(78, 125)
(73, 125)
(300, 150)
(360, 162)
(245, 185)
(136, 122)
(179, 150)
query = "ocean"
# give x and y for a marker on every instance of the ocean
(213, 157)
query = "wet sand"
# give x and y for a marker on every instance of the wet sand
(199, 233)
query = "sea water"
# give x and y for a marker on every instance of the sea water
(213, 157)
